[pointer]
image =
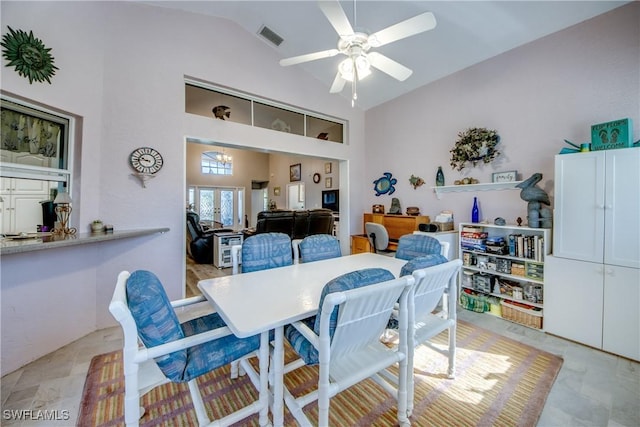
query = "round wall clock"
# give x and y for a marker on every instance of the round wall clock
(145, 160)
(316, 177)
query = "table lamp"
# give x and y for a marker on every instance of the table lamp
(63, 209)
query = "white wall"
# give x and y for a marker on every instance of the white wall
(122, 68)
(536, 96)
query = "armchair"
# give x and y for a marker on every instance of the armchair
(200, 241)
(174, 352)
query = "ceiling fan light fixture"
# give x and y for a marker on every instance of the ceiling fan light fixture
(361, 63)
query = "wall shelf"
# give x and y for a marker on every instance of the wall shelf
(475, 187)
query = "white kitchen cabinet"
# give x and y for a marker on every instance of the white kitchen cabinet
(20, 207)
(593, 278)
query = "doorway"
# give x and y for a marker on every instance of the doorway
(295, 196)
(222, 207)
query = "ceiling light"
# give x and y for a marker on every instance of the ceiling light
(362, 66)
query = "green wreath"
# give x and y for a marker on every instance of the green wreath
(473, 146)
(29, 56)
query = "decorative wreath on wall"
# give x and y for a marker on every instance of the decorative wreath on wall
(28, 55)
(474, 145)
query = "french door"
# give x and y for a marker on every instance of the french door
(222, 205)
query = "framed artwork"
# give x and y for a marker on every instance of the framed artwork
(295, 172)
(328, 183)
(327, 167)
(276, 191)
(316, 177)
(508, 176)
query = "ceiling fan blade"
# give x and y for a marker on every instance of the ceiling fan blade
(418, 24)
(389, 66)
(336, 16)
(309, 57)
(338, 84)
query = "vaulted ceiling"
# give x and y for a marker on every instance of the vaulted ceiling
(467, 32)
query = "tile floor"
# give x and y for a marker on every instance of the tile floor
(592, 389)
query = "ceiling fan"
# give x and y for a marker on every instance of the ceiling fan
(356, 46)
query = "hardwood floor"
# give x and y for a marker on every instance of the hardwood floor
(196, 272)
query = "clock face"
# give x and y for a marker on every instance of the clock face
(146, 160)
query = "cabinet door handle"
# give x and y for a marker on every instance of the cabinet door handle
(609, 271)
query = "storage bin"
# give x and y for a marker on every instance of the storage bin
(482, 282)
(530, 317)
(477, 303)
(517, 269)
(467, 279)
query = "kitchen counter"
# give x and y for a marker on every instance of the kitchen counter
(45, 241)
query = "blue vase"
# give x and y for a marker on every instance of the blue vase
(439, 177)
(475, 213)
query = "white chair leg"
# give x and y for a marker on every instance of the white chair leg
(234, 369)
(198, 404)
(452, 351)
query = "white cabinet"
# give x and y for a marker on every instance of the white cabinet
(597, 207)
(594, 275)
(222, 243)
(20, 204)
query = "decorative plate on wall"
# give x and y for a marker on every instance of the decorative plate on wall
(28, 55)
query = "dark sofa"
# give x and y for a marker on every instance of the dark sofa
(296, 224)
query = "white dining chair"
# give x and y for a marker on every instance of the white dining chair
(175, 352)
(343, 339)
(431, 280)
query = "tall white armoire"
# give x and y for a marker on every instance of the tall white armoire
(592, 289)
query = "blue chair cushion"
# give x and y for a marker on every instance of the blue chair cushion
(414, 245)
(156, 320)
(266, 250)
(352, 280)
(416, 264)
(319, 247)
(421, 262)
(213, 354)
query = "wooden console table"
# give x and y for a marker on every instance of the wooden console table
(396, 225)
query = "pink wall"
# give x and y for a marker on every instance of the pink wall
(536, 96)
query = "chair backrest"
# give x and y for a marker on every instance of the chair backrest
(265, 251)
(318, 247)
(320, 222)
(378, 235)
(276, 221)
(433, 274)
(355, 308)
(414, 245)
(193, 225)
(144, 311)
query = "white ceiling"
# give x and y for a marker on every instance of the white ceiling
(467, 32)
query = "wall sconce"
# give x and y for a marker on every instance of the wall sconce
(63, 209)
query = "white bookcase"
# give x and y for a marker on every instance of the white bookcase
(507, 282)
(222, 243)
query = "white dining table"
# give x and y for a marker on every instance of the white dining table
(261, 301)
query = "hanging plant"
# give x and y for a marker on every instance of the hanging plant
(474, 145)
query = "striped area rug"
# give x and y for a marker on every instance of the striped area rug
(499, 382)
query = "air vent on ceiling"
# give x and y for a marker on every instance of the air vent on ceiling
(270, 35)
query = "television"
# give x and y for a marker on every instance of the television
(331, 200)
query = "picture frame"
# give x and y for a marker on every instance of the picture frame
(276, 191)
(328, 183)
(295, 172)
(507, 176)
(327, 167)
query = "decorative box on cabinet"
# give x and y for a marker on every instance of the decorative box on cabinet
(222, 243)
(495, 277)
(594, 274)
